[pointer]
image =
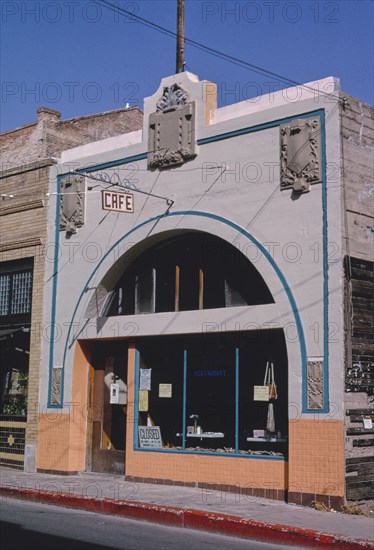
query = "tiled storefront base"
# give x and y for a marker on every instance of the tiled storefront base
(261, 477)
(249, 476)
(63, 435)
(57, 472)
(314, 470)
(308, 499)
(316, 462)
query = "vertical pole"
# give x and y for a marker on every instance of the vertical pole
(180, 37)
(237, 400)
(136, 398)
(177, 281)
(184, 399)
(201, 289)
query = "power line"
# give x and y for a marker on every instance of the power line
(212, 51)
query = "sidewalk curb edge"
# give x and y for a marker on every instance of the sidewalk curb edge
(189, 518)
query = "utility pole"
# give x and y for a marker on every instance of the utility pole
(180, 37)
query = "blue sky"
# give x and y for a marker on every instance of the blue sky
(79, 57)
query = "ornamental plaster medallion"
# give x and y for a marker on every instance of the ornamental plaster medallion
(173, 97)
(300, 143)
(171, 136)
(56, 386)
(315, 385)
(72, 203)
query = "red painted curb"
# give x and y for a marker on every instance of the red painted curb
(151, 512)
(269, 532)
(193, 519)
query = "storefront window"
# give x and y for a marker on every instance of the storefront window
(161, 370)
(15, 324)
(196, 393)
(210, 387)
(15, 292)
(201, 393)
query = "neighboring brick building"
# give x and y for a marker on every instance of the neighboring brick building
(50, 135)
(27, 154)
(358, 248)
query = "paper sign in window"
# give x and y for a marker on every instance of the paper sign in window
(143, 400)
(260, 393)
(145, 379)
(165, 390)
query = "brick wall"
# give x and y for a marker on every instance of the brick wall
(358, 246)
(23, 234)
(358, 176)
(49, 135)
(24, 174)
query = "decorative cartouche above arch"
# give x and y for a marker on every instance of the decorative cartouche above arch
(171, 134)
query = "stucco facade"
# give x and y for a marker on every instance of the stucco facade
(231, 182)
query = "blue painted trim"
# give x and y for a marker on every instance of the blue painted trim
(258, 128)
(228, 135)
(184, 398)
(127, 160)
(118, 162)
(54, 300)
(326, 405)
(136, 397)
(224, 455)
(237, 228)
(237, 400)
(203, 141)
(326, 361)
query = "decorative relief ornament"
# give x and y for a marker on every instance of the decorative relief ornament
(315, 384)
(56, 386)
(173, 97)
(72, 203)
(171, 137)
(300, 143)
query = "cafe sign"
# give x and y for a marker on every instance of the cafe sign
(117, 202)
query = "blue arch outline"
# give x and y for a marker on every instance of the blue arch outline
(219, 219)
(204, 141)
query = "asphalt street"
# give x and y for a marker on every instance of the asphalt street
(32, 526)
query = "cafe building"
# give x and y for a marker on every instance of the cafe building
(194, 297)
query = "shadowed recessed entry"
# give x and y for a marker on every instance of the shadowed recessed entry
(109, 406)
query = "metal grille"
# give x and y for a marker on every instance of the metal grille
(12, 442)
(21, 293)
(4, 293)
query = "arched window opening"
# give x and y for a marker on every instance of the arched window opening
(188, 272)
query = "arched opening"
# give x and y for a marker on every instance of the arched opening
(197, 388)
(187, 272)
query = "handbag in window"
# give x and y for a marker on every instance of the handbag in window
(269, 389)
(269, 381)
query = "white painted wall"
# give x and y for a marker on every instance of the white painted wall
(242, 187)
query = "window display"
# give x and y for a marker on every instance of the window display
(201, 392)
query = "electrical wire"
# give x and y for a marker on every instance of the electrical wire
(213, 51)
